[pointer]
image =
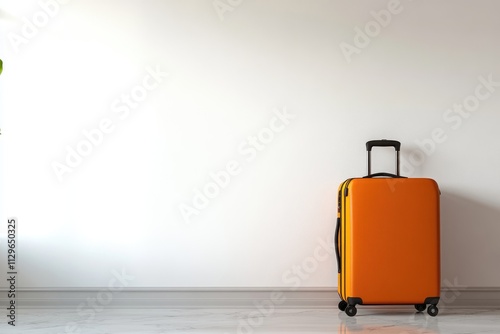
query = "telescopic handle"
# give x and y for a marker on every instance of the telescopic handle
(382, 143)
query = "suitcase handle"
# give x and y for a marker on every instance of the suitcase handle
(382, 143)
(337, 253)
(384, 174)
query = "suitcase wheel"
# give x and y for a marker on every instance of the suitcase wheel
(342, 305)
(420, 307)
(351, 310)
(432, 310)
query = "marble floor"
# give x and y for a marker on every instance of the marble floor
(400, 320)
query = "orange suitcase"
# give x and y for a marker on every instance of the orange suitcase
(387, 240)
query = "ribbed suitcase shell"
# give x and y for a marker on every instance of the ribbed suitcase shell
(388, 241)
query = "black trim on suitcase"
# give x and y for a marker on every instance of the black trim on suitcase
(432, 300)
(353, 301)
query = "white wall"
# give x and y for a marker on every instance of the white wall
(119, 207)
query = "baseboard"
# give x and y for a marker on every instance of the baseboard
(476, 297)
(220, 298)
